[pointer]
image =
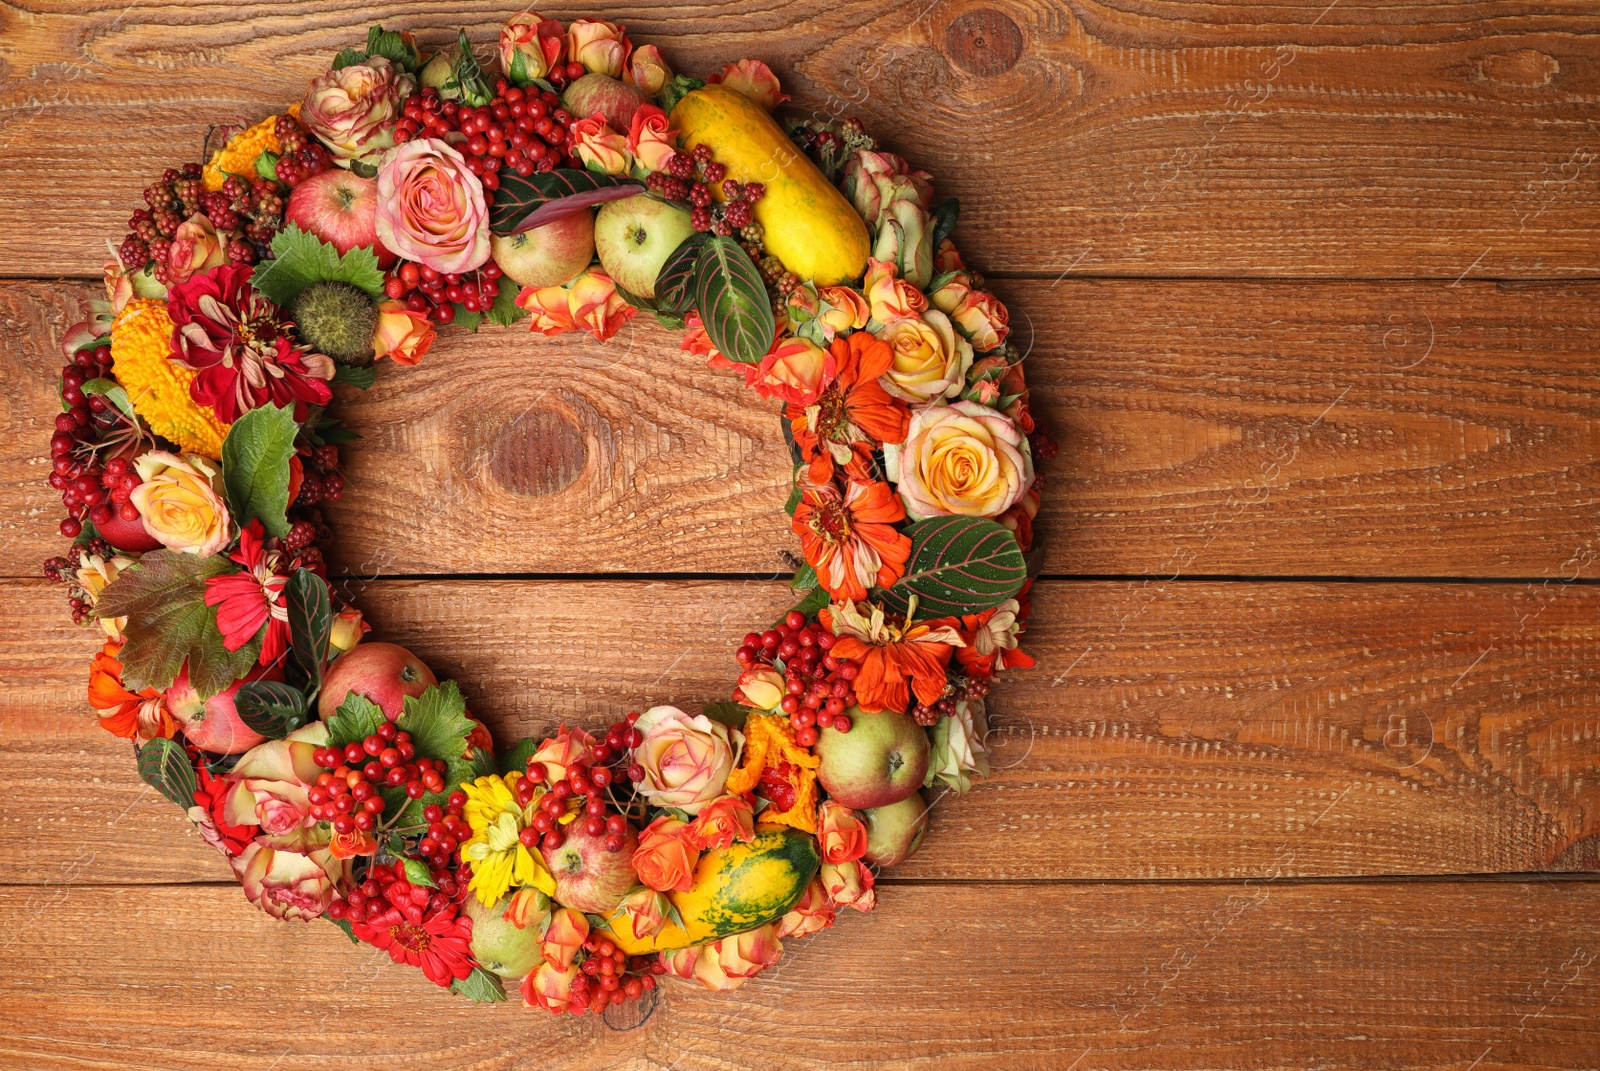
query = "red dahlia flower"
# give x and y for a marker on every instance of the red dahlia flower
(239, 344)
(246, 601)
(437, 942)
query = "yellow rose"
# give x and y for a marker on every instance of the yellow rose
(963, 459)
(94, 576)
(600, 46)
(178, 502)
(930, 359)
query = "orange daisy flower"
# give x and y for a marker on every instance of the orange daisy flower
(891, 655)
(853, 414)
(991, 641)
(850, 538)
(130, 716)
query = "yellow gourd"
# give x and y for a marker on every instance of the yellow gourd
(808, 224)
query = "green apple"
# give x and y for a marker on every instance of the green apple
(895, 832)
(635, 236)
(881, 760)
(547, 255)
(500, 946)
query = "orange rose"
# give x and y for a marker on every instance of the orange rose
(730, 962)
(402, 335)
(796, 370)
(601, 148)
(962, 459)
(650, 139)
(664, 859)
(930, 359)
(648, 70)
(564, 938)
(722, 822)
(849, 885)
(890, 297)
(846, 309)
(646, 911)
(549, 987)
(753, 80)
(530, 45)
(814, 912)
(841, 836)
(602, 47)
(351, 844)
(761, 687)
(562, 750)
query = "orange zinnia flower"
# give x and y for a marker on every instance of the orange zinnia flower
(854, 414)
(892, 654)
(850, 538)
(130, 716)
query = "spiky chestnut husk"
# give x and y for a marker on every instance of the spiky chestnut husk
(337, 319)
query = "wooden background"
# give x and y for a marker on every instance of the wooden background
(1307, 775)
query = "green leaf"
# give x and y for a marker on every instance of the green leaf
(437, 721)
(300, 259)
(348, 58)
(113, 393)
(470, 320)
(505, 311)
(349, 931)
(815, 600)
(805, 579)
(675, 281)
(728, 713)
(959, 565)
(521, 204)
(357, 718)
(480, 986)
(169, 624)
(331, 430)
(165, 767)
(361, 377)
(310, 624)
(393, 47)
(255, 466)
(944, 220)
(363, 169)
(271, 708)
(417, 873)
(267, 165)
(516, 760)
(732, 301)
(467, 82)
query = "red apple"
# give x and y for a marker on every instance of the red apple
(602, 94)
(881, 760)
(128, 535)
(214, 724)
(550, 254)
(339, 207)
(383, 672)
(589, 878)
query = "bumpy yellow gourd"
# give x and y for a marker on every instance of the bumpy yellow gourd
(808, 224)
(238, 156)
(141, 344)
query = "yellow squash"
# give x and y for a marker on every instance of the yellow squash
(808, 224)
(737, 888)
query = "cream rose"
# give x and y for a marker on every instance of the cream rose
(963, 459)
(179, 503)
(930, 359)
(686, 760)
(353, 110)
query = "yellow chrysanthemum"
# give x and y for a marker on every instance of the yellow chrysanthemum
(141, 344)
(499, 858)
(238, 156)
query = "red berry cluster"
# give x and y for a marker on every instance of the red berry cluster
(446, 830)
(691, 176)
(820, 689)
(521, 130)
(587, 779)
(90, 428)
(323, 481)
(928, 714)
(255, 206)
(608, 975)
(435, 294)
(347, 795)
(302, 156)
(386, 897)
(65, 571)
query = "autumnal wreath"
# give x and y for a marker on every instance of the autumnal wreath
(587, 182)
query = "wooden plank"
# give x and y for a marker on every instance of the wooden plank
(1265, 974)
(1265, 429)
(1174, 731)
(1255, 138)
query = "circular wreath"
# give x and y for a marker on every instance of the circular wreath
(588, 182)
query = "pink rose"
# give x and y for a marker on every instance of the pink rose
(196, 246)
(686, 760)
(650, 139)
(269, 786)
(402, 335)
(963, 459)
(353, 110)
(601, 148)
(289, 885)
(754, 80)
(600, 46)
(871, 180)
(841, 835)
(849, 885)
(648, 70)
(814, 912)
(530, 45)
(431, 208)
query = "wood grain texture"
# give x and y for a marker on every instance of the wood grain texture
(1264, 975)
(1152, 138)
(1208, 429)
(1185, 730)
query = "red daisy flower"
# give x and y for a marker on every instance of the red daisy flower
(247, 600)
(238, 344)
(439, 943)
